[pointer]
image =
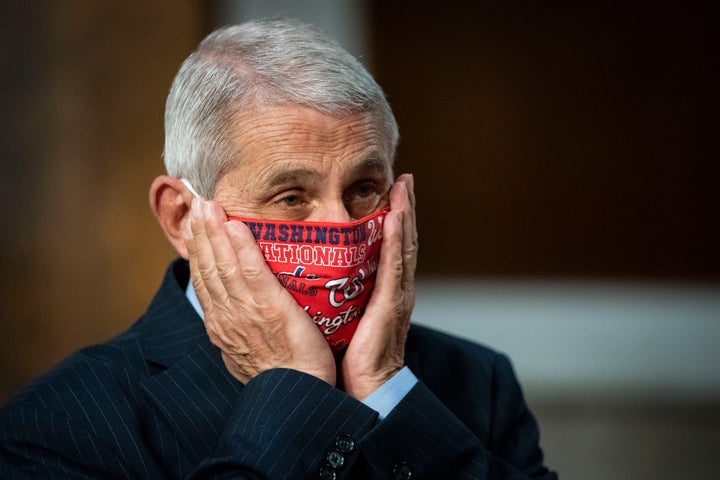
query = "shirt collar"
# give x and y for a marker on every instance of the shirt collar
(193, 299)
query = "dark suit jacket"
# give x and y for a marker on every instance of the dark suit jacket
(157, 402)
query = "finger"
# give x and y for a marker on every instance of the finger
(402, 198)
(257, 276)
(409, 181)
(219, 336)
(206, 220)
(193, 259)
(212, 269)
(410, 234)
(390, 266)
(229, 265)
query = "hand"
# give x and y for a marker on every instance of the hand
(248, 314)
(377, 350)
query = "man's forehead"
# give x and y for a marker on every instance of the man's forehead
(280, 142)
(298, 120)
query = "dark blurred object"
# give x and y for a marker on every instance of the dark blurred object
(558, 138)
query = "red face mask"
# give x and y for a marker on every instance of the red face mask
(329, 268)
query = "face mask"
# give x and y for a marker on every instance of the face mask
(329, 268)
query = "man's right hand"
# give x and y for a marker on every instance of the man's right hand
(248, 314)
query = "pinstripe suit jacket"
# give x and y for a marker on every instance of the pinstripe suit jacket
(157, 402)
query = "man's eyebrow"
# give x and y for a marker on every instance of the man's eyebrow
(290, 176)
(373, 163)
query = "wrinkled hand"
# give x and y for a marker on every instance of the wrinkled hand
(248, 314)
(377, 350)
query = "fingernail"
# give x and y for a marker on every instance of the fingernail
(195, 208)
(206, 210)
(232, 229)
(188, 228)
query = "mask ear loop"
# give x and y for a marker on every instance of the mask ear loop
(186, 182)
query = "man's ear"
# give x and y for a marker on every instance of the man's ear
(170, 202)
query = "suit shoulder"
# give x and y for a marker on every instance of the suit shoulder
(86, 411)
(447, 363)
(97, 375)
(423, 339)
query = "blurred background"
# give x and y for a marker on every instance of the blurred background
(566, 171)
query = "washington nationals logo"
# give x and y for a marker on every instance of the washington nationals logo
(344, 289)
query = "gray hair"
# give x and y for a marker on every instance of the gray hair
(268, 62)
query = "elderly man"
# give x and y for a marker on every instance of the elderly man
(280, 344)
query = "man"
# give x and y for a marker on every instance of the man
(228, 374)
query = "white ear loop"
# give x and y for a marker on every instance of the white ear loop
(190, 187)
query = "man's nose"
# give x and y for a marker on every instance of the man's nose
(331, 212)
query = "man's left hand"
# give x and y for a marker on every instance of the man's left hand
(377, 350)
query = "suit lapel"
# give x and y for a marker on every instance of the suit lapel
(194, 398)
(192, 392)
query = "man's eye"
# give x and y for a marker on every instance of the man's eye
(365, 190)
(291, 200)
(363, 199)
